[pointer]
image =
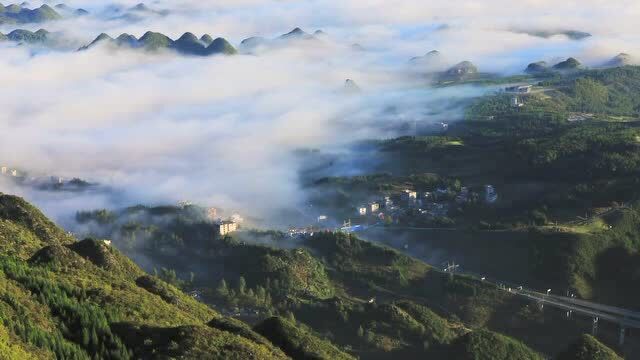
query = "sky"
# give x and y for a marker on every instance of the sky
(223, 131)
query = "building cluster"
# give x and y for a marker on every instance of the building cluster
(7, 171)
(225, 227)
(428, 204)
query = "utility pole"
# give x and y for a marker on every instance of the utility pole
(594, 328)
(621, 339)
(451, 268)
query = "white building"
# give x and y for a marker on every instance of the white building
(226, 227)
(490, 194)
(374, 207)
(515, 102)
(4, 170)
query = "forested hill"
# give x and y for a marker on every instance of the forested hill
(64, 299)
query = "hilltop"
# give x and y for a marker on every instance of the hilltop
(188, 43)
(16, 14)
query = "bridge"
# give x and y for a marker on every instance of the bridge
(626, 319)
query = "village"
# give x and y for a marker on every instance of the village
(42, 182)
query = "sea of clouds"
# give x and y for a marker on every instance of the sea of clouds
(223, 131)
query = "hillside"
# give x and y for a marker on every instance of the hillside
(77, 300)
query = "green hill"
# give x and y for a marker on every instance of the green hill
(187, 44)
(21, 35)
(487, 345)
(298, 343)
(588, 348)
(16, 14)
(78, 300)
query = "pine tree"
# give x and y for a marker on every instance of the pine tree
(223, 289)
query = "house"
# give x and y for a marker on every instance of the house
(4, 170)
(226, 227)
(515, 102)
(409, 194)
(14, 173)
(490, 194)
(519, 89)
(362, 210)
(374, 207)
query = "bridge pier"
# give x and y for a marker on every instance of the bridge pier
(594, 328)
(622, 333)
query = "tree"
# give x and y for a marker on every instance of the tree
(242, 285)
(223, 289)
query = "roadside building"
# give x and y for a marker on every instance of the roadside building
(362, 210)
(519, 89)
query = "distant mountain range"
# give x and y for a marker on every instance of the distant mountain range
(25, 36)
(571, 34)
(206, 45)
(19, 14)
(297, 34)
(188, 43)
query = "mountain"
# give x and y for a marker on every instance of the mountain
(426, 57)
(187, 44)
(206, 39)
(250, 44)
(571, 34)
(296, 33)
(68, 299)
(221, 46)
(26, 36)
(298, 343)
(351, 87)
(474, 344)
(569, 64)
(539, 67)
(154, 41)
(16, 14)
(621, 59)
(588, 348)
(461, 70)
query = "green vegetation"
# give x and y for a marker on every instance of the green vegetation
(20, 35)
(588, 348)
(487, 345)
(298, 343)
(83, 300)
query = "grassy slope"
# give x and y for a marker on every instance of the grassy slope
(72, 299)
